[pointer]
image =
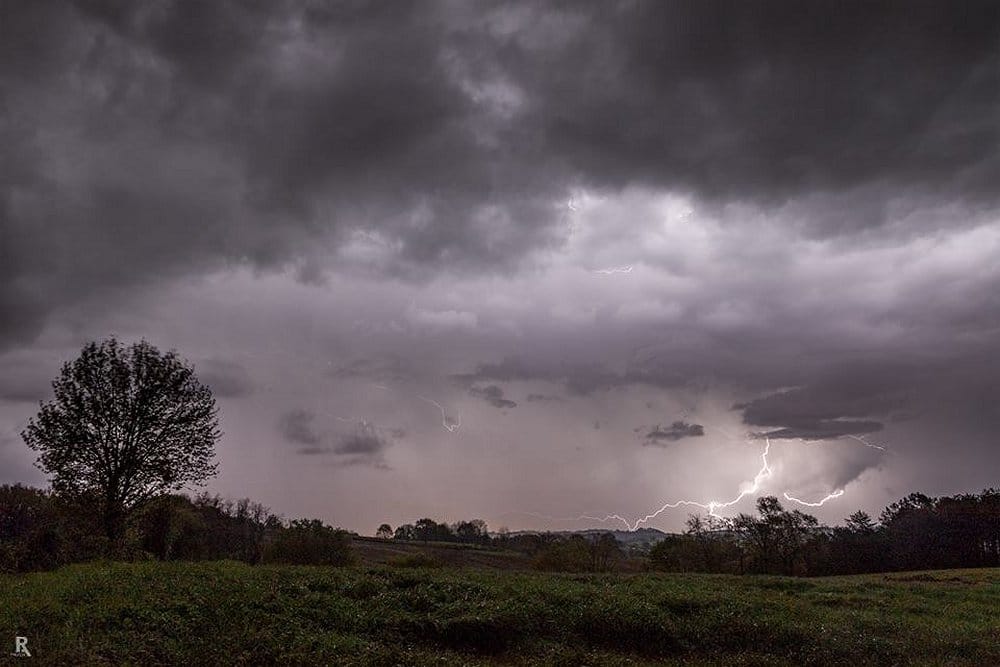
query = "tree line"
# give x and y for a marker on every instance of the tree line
(918, 532)
(43, 529)
(473, 531)
(599, 552)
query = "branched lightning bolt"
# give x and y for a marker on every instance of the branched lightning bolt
(711, 506)
(839, 492)
(448, 424)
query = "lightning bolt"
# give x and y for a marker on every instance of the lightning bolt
(865, 442)
(618, 269)
(839, 492)
(836, 494)
(711, 506)
(448, 424)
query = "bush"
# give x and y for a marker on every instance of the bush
(595, 553)
(309, 542)
(569, 555)
(171, 528)
(32, 533)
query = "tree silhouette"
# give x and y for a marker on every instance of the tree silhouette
(126, 424)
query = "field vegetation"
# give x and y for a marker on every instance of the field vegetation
(233, 613)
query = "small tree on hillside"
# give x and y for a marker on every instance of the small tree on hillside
(126, 424)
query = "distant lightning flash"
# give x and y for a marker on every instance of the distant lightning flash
(865, 442)
(448, 424)
(618, 269)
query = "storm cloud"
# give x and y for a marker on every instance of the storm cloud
(415, 213)
(297, 427)
(672, 433)
(493, 395)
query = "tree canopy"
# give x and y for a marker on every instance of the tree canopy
(125, 424)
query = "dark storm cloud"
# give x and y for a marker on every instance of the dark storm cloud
(770, 100)
(365, 446)
(148, 141)
(297, 428)
(227, 379)
(955, 390)
(823, 430)
(365, 442)
(673, 433)
(834, 406)
(493, 395)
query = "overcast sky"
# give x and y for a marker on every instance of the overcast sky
(520, 260)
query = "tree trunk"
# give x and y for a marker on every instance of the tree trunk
(114, 526)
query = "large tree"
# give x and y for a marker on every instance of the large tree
(127, 423)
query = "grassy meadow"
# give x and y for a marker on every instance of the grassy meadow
(231, 613)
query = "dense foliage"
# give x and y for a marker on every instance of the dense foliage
(41, 530)
(309, 542)
(126, 424)
(428, 530)
(917, 532)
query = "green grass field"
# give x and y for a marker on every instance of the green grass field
(230, 613)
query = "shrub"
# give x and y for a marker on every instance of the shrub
(309, 542)
(32, 534)
(569, 555)
(171, 528)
